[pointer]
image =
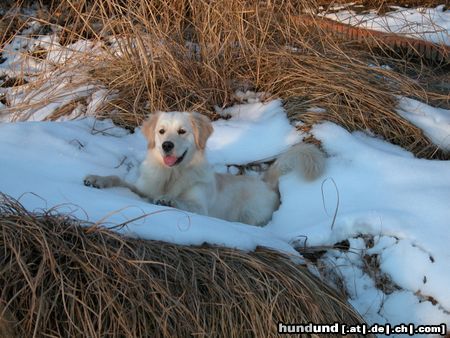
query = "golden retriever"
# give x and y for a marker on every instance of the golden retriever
(175, 172)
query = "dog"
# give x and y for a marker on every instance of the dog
(175, 172)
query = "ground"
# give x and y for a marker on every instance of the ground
(379, 215)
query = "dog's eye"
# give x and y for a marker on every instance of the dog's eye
(162, 131)
(181, 131)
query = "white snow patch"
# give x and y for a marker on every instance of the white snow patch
(50, 86)
(432, 24)
(256, 131)
(435, 122)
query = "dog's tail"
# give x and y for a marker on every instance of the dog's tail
(303, 158)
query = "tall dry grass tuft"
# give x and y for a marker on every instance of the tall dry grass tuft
(193, 55)
(62, 277)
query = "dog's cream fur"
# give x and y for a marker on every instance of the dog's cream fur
(192, 185)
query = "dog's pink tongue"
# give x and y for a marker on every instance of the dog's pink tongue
(170, 160)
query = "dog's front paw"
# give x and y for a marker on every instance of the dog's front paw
(96, 181)
(166, 202)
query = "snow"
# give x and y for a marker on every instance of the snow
(250, 139)
(383, 192)
(435, 122)
(432, 24)
(57, 78)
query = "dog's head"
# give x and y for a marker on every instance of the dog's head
(176, 137)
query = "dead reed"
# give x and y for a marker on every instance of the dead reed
(61, 277)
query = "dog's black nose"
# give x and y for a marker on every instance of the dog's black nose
(167, 146)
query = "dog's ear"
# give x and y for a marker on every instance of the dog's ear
(148, 129)
(202, 128)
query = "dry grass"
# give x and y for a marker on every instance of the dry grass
(238, 44)
(61, 277)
